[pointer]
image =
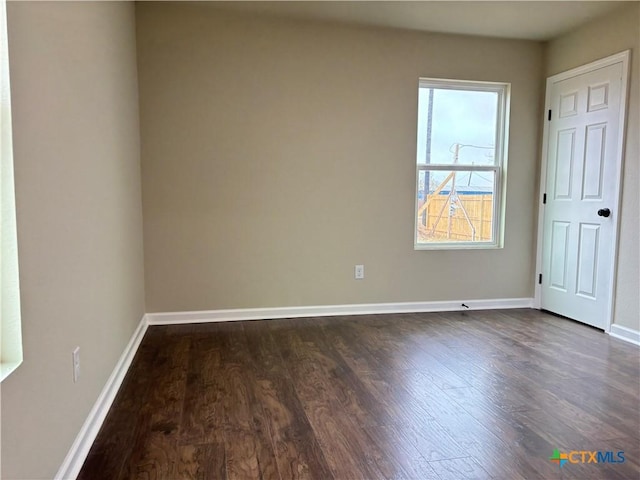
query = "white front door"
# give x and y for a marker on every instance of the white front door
(582, 188)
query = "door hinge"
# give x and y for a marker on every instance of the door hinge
(549, 116)
(539, 279)
(544, 198)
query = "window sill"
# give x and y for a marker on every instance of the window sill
(7, 368)
(461, 246)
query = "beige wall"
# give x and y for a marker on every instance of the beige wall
(617, 32)
(76, 143)
(276, 155)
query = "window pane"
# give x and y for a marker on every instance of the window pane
(457, 126)
(455, 206)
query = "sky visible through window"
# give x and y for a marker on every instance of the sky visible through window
(465, 117)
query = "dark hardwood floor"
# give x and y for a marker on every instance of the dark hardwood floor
(419, 396)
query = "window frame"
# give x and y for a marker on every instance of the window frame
(11, 353)
(503, 90)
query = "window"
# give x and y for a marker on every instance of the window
(10, 332)
(460, 165)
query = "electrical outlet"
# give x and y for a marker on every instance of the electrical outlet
(359, 272)
(76, 364)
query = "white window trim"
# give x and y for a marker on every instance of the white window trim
(10, 313)
(503, 89)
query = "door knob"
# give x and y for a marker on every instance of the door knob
(604, 212)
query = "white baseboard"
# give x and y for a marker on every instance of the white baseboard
(625, 333)
(78, 452)
(332, 310)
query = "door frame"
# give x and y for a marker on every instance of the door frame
(622, 57)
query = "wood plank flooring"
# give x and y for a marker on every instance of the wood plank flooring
(486, 394)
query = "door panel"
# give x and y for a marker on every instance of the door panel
(582, 178)
(587, 260)
(598, 97)
(592, 176)
(559, 249)
(564, 170)
(568, 104)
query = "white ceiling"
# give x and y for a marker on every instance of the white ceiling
(508, 19)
